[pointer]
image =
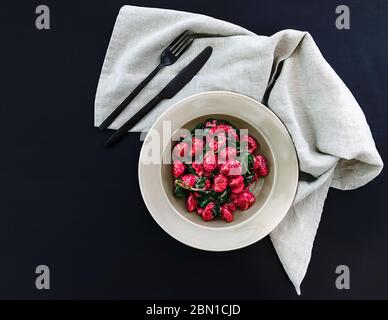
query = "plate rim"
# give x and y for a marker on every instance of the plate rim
(237, 246)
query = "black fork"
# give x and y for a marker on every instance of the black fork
(169, 56)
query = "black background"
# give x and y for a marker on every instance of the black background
(67, 202)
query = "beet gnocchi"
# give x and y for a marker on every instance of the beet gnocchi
(214, 167)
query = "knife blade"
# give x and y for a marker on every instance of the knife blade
(169, 91)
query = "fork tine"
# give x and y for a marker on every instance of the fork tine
(185, 47)
(176, 40)
(181, 44)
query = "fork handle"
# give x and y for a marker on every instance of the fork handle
(133, 120)
(116, 112)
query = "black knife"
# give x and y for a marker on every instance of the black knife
(170, 90)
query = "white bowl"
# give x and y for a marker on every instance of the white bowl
(274, 193)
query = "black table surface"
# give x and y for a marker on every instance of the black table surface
(68, 203)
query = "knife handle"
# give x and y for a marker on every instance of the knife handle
(116, 112)
(132, 121)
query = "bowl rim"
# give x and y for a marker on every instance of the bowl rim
(236, 246)
(226, 225)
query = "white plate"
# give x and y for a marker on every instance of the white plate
(274, 193)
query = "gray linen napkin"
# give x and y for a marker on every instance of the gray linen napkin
(286, 72)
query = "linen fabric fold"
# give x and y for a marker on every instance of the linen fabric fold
(285, 71)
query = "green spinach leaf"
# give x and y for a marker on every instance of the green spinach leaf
(179, 191)
(200, 183)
